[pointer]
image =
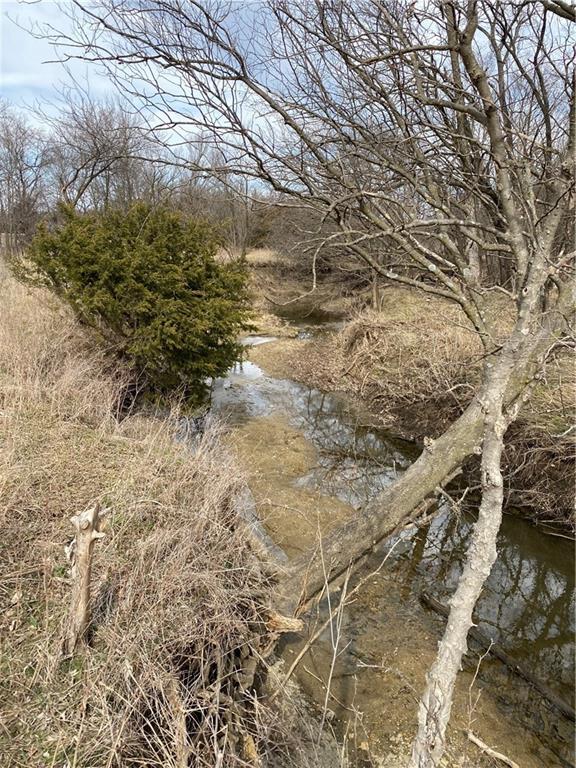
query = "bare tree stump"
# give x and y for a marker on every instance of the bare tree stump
(88, 530)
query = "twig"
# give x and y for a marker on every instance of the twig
(559, 535)
(345, 598)
(336, 634)
(24, 572)
(471, 704)
(491, 752)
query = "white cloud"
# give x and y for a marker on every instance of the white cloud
(30, 73)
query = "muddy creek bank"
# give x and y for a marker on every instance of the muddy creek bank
(312, 464)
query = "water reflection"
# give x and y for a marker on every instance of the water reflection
(354, 461)
(528, 602)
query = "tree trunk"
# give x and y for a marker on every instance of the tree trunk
(513, 665)
(308, 573)
(376, 302)
(436, 703)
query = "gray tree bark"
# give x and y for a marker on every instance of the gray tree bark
(436, 703)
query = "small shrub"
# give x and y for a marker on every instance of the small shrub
(149, 282)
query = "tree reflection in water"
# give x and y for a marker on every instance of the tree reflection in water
(528, 602)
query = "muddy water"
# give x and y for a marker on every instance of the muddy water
(313, 464)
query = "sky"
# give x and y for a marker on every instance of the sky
(26, 76)
(31, 78)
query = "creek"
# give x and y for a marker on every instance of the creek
(385, 639)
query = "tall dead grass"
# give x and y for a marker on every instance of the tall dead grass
(409, 353)
(179, 597)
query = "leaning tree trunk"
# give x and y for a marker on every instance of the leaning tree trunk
(436, 703)
(307, 576)
(499, 411)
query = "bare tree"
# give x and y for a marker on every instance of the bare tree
(100, 153)
(439, 137)
(23, 164)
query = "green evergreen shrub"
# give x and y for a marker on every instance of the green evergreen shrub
(148, 280)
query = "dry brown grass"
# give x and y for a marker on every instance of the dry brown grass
(417, 357)
(283, 284)
(179, 597)
(541, 446)
(262, 256)
(411, 351)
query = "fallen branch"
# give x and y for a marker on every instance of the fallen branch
(505, 658)
(491, 752)
(310, 589)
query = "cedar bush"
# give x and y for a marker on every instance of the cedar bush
(149, 282)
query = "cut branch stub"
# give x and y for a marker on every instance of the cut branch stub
(88, 526)
(279, 624)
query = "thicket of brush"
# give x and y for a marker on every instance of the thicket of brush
(416, 365)
(179, 597)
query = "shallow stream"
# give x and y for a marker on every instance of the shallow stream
(386, 638)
